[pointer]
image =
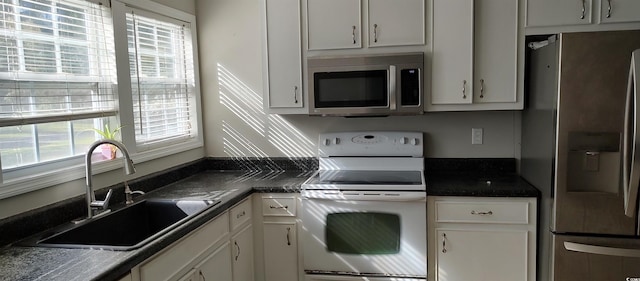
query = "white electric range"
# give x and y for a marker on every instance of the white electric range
(364, 211)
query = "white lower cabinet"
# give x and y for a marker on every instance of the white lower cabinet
(242, 254)
(220, 250)
(482, 239)
(468, 254)
(280, 252)
(216, 266)
(200, 250)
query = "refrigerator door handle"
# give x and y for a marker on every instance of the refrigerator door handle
(631, 159)
(602, 250)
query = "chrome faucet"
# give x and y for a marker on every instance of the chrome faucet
(92, 203)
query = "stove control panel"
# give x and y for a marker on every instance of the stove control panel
(374, 143)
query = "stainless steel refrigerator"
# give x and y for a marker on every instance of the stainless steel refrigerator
(579, 147)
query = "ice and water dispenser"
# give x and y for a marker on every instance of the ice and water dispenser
(594, 162)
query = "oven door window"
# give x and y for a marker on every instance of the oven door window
(351, 89)
(363, 233)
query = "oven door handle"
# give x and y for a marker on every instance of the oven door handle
(394, 197)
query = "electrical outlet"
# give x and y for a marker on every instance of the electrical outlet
(476, 136)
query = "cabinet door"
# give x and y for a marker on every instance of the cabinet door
(452, 68)
(216, 266)
(481, 255)
(280, 251)
(284, 57)
(558, 12)
(396, 23)
(242, 255)
(619, 11)
(334, 24)
(495, 51)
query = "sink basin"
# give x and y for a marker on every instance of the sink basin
(130, 227)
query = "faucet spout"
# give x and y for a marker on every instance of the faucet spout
(90, 194)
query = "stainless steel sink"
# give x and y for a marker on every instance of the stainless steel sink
(130, 227)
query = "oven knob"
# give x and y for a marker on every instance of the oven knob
(327, 142)
(336, 140)
(414, 141)
(403, 140)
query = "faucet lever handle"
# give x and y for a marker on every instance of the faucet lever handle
(104, 204)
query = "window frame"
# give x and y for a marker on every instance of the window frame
(39, 176)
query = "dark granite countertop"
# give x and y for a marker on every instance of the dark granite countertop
(462, 184)
(229, 187)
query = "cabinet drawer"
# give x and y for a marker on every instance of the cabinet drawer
(483, 212)
(240, 214)
(279, 207)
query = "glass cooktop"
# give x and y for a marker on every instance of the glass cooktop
(351, 177)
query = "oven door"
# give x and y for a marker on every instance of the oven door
(365, 233)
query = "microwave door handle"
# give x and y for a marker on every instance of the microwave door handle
(602, 250)
(631, 160)
(392, 87)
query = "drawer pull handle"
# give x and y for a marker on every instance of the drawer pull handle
(482, 213)
(444, 242)
(240, 215)
(288, 239)
(202, 275)
(278, 207)
(584, 9)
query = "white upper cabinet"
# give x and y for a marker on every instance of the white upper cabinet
(283, 73)
(558, 12)
(496, 52)
(396, 23)
(452, 59)
(618, 11)
(338, 24)
(477, 56)
(334, 24)
(555, 16)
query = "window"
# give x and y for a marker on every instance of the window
(57, 78)
(69, 66)
(162, 78)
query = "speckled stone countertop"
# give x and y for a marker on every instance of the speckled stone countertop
(479, 177)
(445, 177)
(229, 187)
(479, 186)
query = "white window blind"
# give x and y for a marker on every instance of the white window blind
(162, 78)
(57, 78)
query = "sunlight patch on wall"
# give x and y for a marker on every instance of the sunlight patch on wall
(247, 105)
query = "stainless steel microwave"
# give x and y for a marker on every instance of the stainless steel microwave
(373, 85)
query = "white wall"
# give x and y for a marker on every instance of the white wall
(229, 33)
(25, 202)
